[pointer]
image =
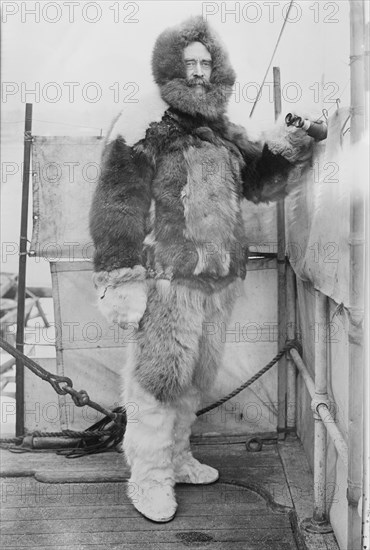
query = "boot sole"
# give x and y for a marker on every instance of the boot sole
(198, 482)
(157, 520)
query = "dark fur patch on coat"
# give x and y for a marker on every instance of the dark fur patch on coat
(119, 208)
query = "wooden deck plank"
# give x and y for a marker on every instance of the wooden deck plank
(212, 545)
(91, 515)
(264, 468)
(33, 496)
(110, 524)
(119, 511)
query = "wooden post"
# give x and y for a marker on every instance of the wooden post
(281, 267)
(19, 373)
(357, 280)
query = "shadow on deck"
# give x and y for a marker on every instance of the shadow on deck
(50, 502)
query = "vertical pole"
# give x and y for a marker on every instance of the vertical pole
(356, 309)
(319, 514)
(366, 409)
(291, 334)
(19, 373)
(281, 266)
(319, 522)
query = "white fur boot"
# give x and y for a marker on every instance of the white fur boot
(148, 447)
(188, 469)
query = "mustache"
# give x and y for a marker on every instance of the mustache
(196, 80)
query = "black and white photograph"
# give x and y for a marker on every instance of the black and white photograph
(184, 315)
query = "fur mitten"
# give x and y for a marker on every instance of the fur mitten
(122, 295)
(291, 143)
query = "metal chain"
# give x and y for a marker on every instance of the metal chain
(80, 398)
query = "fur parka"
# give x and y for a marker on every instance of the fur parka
(171, 203)
(168, 209)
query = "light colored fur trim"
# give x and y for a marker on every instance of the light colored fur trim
(210, 207)
(186, 468)
(117, 277)
(186, 408)
(148, 441)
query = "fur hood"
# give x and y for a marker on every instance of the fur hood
(169, 70)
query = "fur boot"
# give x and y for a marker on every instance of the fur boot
(186, 468)
(148, 447)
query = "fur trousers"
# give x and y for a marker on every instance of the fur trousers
(175, 357)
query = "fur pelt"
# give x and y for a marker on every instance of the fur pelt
(182, 158)
(172, 202)
(172, 340)
(169, 70)
(120, 204)
(210, 209)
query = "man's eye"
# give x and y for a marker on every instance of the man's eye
(207, 63)
(190, 63)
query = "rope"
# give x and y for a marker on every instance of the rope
(271, 60)
(288, 346)
(71, 433)
(94, 440)
(15, 440)
(115, 421)
(53, 122)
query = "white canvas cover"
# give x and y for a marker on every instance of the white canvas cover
(65, 173)
(318, 215)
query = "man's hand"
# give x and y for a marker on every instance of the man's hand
(124, 304)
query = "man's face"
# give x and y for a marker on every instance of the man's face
(198, 64)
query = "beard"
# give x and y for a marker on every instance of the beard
(199, 87)
(196, 96)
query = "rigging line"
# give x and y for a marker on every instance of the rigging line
(67, 124)
(271, 60)
(111, 127)
(52, 122)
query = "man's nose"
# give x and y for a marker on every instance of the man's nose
(198, 70)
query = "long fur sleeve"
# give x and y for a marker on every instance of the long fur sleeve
(120, 206)
(271, 167)
(265, 176)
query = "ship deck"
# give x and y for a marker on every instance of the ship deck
(51, 502)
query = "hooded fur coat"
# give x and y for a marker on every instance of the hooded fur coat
(169, 208)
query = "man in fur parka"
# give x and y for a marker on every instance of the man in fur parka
(171, 249)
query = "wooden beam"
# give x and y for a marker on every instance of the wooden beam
(281, 268)
(21, 293)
